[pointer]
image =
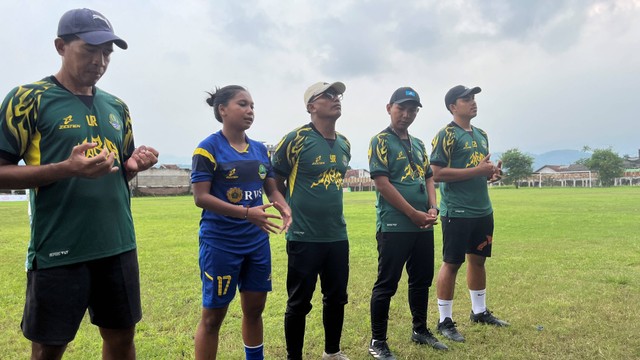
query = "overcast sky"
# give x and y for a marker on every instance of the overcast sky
(555, 74)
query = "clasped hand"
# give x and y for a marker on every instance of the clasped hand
(259, 217)
(143, 158)
(90, 167)
(102, 164)
(492, 171)
(424, 220)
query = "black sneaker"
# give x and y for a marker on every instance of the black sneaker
(447, 328)
(487, 317)
(427, 338)
(380, 350)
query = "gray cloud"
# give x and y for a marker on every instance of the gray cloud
(344, 51)
(245, 24)
(555, 74)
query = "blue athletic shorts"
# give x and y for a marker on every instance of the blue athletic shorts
(222, 271)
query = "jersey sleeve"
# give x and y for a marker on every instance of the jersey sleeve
(203, 164)
(442, 146)
(285, 156)
(129, 144)
(486, 138)
(347, 146)
(378, 160)
(18, 115)
(425, 160)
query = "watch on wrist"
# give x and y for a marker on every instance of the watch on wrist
(435, 207)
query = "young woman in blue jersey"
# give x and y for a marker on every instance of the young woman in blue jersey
(230, 172)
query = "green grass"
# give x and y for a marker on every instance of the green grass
(565, 259)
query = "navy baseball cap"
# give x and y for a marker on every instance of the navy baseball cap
(405, 94)
(90, 26)
(457, 92)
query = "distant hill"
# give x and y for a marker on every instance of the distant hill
(183, 162)
(559, 157)
(555, 157)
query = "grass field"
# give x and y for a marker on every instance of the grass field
(565, 273)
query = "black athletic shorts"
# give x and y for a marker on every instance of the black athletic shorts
(57, 298)
(462, 236)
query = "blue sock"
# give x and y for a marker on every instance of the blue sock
(254, 352)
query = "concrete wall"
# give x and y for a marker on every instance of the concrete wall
(163, 177)
(162, 182)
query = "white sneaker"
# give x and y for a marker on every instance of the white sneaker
(337, 356)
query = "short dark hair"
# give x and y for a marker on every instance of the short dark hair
(68, 38)
(221, 96)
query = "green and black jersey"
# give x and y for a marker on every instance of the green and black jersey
(75, 219)
(457, 148)
(406, 164)
(314, 168)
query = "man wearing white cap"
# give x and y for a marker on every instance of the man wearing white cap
(310, 163)
(77, 143)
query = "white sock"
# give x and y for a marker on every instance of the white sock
(445, 307)
(478, 300)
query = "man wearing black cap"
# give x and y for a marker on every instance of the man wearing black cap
(406, 210)
(77, 143)
(310, 163)
(461, 163)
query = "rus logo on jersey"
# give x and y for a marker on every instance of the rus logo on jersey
(235, 194)
(252, 194)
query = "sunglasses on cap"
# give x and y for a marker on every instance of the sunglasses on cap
(329, 94)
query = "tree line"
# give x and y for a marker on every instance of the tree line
(518, 166)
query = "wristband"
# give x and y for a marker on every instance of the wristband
(246, 214)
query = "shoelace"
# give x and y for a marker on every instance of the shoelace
(488, 315)
(451, 325)
(383, 348)
(426, 333)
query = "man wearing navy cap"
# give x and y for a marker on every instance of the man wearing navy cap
(460, 161)
(77, 145)
(405, 214)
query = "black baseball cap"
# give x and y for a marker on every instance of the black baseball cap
(405, 94)
(90, 26)
(457, 92)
